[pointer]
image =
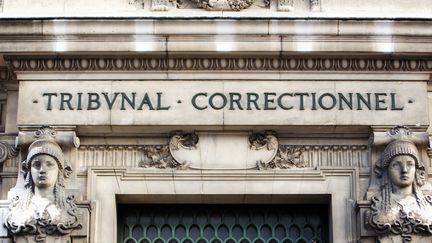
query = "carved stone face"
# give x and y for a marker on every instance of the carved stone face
(44, 171)
(402, 171)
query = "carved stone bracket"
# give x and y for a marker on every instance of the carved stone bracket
(7, 151)
(380, 138)
(62, 136)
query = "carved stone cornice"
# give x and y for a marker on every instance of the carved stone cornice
(212, 63)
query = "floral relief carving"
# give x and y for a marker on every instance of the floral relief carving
(227, 5)
(287, 156)
(159, 156)
(43, 208)
(400, 207)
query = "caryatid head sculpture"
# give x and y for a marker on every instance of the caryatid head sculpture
(43, 208)
(400, 207)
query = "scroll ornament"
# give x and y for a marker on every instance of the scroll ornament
(7, 151)
(400, 207)
(43, 208)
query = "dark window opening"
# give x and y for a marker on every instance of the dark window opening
(179, 223)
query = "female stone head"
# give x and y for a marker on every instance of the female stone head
(400, 162)
(45, 172)
(44, 166)
(43, 207)
(401, 172)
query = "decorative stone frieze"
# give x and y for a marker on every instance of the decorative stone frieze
(311, 156)
(43, 209)
(286, 63)
(400, 207)
(7, 151)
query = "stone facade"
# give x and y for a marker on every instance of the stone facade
(215, 102)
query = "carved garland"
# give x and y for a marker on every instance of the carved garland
(214, 64)
(287, 157)
(228, 5)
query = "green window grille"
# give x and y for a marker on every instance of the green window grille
(177, 223)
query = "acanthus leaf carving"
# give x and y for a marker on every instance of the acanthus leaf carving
(159, 156)
(287, 156)
(224, 5)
